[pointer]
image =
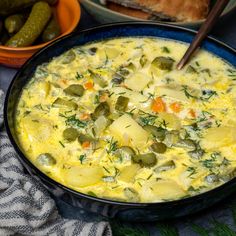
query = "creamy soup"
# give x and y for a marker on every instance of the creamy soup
(116, 120)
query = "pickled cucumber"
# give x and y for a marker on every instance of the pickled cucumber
(14, 23)
(8, 7)
(51, 31)
(38, 19)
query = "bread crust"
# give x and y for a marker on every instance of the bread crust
(178, 10)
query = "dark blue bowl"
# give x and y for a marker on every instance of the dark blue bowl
(109, 208)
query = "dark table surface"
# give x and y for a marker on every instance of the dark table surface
(225, 30)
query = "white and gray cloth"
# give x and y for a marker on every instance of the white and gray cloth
(26, 207)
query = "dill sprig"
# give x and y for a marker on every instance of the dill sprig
(221, 229)
(73, 121)
(199, 230)
(119, 229)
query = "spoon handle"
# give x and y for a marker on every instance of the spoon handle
(203, 31)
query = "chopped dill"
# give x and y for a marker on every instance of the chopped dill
(73, 121)
(113, 145)
(62, 144)
(187, 93)
(146, 118)
(149, 177)
(106, 170)
(82, 157)
(78, 76)
(192, 170)
(165, 49)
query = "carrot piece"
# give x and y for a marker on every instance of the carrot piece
(86, 144)
(88, 85)
(85, 116)
(192, 113)
(158, 105)
(175, 107)
(64, 81)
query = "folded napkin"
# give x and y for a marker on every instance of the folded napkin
(26, 206)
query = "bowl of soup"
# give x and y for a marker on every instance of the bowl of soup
(105, 120)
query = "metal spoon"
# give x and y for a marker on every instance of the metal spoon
(203, 31)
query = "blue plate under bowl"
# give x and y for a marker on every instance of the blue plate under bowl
(109, 208)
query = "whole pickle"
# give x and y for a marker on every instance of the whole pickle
(13, 23)
(52, 30)
(33, 27)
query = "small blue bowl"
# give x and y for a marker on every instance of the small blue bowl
(109, 208)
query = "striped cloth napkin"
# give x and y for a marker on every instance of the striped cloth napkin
(26, 207)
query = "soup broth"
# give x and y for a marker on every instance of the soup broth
(116, 120)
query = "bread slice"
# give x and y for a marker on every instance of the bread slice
(175, 10)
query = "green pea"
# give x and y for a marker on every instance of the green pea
(46, 159)
(158, 132)
(70, 134)
(102, 109)
(163, 63)
(121, 103)
(158, 147)
(147, 159)
(75, 90)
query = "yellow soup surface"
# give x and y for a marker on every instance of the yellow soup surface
(116, 120)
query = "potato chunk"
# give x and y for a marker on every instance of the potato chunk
(171, 120)
(176, 93)
(37, 129)
(163, 190)
(137, 81)
(83, 176)
(218, 137)
(128, 173)
(126, 130)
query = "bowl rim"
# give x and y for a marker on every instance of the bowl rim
(73, 25)
(129, 18)
(23, 159)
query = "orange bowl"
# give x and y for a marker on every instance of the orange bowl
(68, 15)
